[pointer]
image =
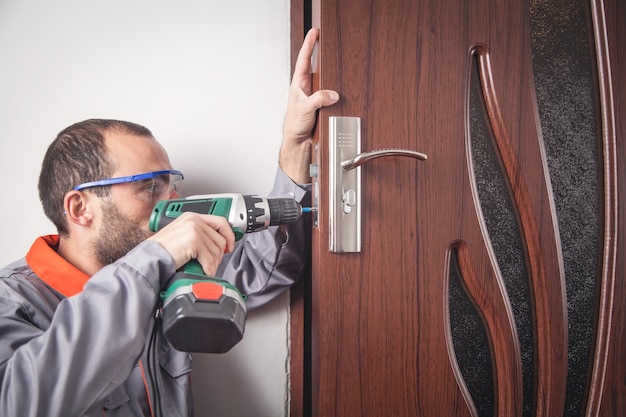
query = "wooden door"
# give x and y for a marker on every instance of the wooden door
(490, 280)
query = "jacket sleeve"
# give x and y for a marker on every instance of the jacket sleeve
(65, 361)
(266, 263)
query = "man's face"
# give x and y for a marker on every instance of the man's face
(125, 214)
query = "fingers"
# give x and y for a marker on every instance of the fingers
(197, 236)
(219, 228)
(301, 74)
(301, 82)
(217, 240)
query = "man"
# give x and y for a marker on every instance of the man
(77, 314)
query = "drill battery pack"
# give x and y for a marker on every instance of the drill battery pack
(205, 315)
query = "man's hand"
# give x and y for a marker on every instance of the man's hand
(302, 106)
(203, 237)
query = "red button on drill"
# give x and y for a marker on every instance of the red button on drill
(207, 291)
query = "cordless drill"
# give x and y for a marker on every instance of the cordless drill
(208, 314)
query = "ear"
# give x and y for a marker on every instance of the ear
(79, 208)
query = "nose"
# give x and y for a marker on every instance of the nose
(173, 194)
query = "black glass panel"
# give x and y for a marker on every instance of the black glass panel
(563, 62)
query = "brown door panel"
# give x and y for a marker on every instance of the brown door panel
(454, 80)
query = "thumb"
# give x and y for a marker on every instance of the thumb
(323, 98)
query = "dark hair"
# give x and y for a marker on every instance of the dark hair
(78, 155)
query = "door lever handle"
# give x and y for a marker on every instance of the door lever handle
(344, 197)
(364, 157)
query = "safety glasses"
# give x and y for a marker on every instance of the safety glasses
(149, 186)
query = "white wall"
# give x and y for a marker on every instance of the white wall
(208, 77)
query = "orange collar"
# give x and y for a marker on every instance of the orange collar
(53, 269)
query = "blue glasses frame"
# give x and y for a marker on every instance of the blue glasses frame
(131, 178)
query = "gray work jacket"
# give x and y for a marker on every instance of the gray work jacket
(94, 353)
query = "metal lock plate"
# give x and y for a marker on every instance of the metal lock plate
(345, 185)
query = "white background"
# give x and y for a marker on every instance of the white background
(209, 78)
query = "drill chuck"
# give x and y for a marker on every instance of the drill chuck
(265, 212)
(283, 210)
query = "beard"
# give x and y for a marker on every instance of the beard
(119, 235)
